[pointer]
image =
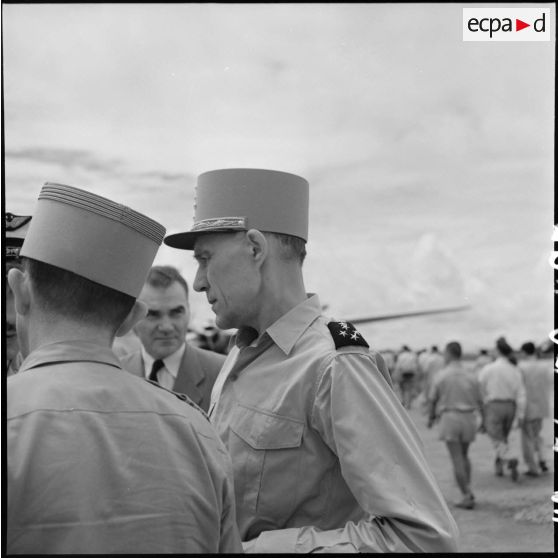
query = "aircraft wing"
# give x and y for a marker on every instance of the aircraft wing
(406, 315)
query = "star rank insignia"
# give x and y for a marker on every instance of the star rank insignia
(345, 335)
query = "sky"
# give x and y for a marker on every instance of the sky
(430, 159)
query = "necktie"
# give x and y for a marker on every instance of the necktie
(157, 365)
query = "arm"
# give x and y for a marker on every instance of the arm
(361, 420)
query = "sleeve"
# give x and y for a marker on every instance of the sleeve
(360, 418)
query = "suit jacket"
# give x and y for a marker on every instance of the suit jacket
(196, 374)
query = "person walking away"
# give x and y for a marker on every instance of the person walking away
(406, 375)
(538, 387)
(503, 395)
(454, 398)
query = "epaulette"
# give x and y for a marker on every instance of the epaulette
(345, 335)
(181, 396)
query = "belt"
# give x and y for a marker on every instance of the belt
(459, 410)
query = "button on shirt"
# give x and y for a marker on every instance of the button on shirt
(325, 457)
(166, 376)
(100, 461)
(502, 380)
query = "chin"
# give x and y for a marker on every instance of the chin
(224, 322)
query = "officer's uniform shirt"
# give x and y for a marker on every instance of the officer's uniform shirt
(325, 458)
(101, 461)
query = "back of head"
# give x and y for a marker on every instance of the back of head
(505, 350)
(69, 296)
(453, 350)
(163, 276)
(528, 348)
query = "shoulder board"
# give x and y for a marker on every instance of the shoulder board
(345, 335)
(181, 396)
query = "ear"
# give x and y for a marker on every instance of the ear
(258, 245)
(17, 280)
(137, 313)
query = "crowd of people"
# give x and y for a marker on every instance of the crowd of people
(492, 394)
(296, 438)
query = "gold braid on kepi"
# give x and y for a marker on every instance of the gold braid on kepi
(231, 200)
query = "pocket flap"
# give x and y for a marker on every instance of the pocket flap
(264, 430)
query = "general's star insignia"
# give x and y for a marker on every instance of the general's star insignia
(345, 335)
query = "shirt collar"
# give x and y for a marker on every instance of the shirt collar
(70, 351)
(286, 331)
(172, 362)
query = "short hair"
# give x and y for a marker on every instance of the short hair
(505, 350)
(290, 247)
(72, 296)
(503, 346)
(528, 348)
(453, 348)
(163, 276)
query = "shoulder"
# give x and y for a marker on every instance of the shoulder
(348, 349)
(344, 334)
(132, 362)
(131, 357)
(176, 400)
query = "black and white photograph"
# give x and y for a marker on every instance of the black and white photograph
(278, 277)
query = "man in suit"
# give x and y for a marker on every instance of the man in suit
(165, 356)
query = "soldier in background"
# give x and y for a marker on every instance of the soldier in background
(16, 227)
(407, 376)
(454, 399)
(538, 386)
(482, 360)
(432, 363)
(503, 396)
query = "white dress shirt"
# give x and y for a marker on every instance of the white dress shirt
(166, 376)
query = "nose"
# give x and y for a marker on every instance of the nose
(165, 324)
(200, 281)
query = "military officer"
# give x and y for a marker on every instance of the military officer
(99, 460)
(325, 457)
(15, 227)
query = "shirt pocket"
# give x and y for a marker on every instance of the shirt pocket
(267, 450)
